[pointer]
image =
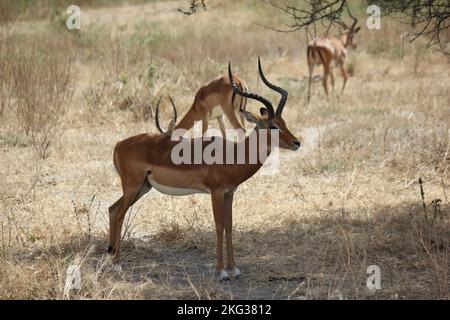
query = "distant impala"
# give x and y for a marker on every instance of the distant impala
(326, 49)
(211, 102)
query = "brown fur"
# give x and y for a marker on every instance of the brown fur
(139, 156)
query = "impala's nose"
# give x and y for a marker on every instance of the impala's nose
(295, 145)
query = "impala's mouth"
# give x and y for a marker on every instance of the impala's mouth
(295, 145)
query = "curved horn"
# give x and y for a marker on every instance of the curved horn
(157, 116)
(254, 96)
(351, 16)
(283, 92)
(174, 110)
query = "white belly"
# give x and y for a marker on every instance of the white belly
(173, 191)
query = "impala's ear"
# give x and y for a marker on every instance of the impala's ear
(356, 30)
(263, 111)
(250, 117)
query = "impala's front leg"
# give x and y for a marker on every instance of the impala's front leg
(326, 72)
(332, 81)
(231, 115)
(228, 224)
(218, 198)
(204, 124)
(222, 127)
(344, 76)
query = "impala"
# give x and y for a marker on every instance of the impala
(211, 102)
(326, 49)
(144, 161)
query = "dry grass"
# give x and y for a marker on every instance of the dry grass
(347, 200)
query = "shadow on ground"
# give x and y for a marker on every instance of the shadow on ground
(320, 256)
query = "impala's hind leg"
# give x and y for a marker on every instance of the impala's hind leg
(132, 192)
(112, 225)
(332, 81)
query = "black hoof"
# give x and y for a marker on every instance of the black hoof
(110, 250)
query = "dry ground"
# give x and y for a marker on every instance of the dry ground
(346, 200)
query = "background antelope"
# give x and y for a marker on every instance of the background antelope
(212, 101)
(144, 161)
(324, 50)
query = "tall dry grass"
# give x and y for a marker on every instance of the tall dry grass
(36, 82)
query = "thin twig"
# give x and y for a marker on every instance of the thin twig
(422, 195)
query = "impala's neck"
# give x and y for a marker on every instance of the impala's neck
(344, 39)
(258, 147)
(187, 121)
(263, 140)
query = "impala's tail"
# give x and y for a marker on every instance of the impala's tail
(312, 52)
(115, 160)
